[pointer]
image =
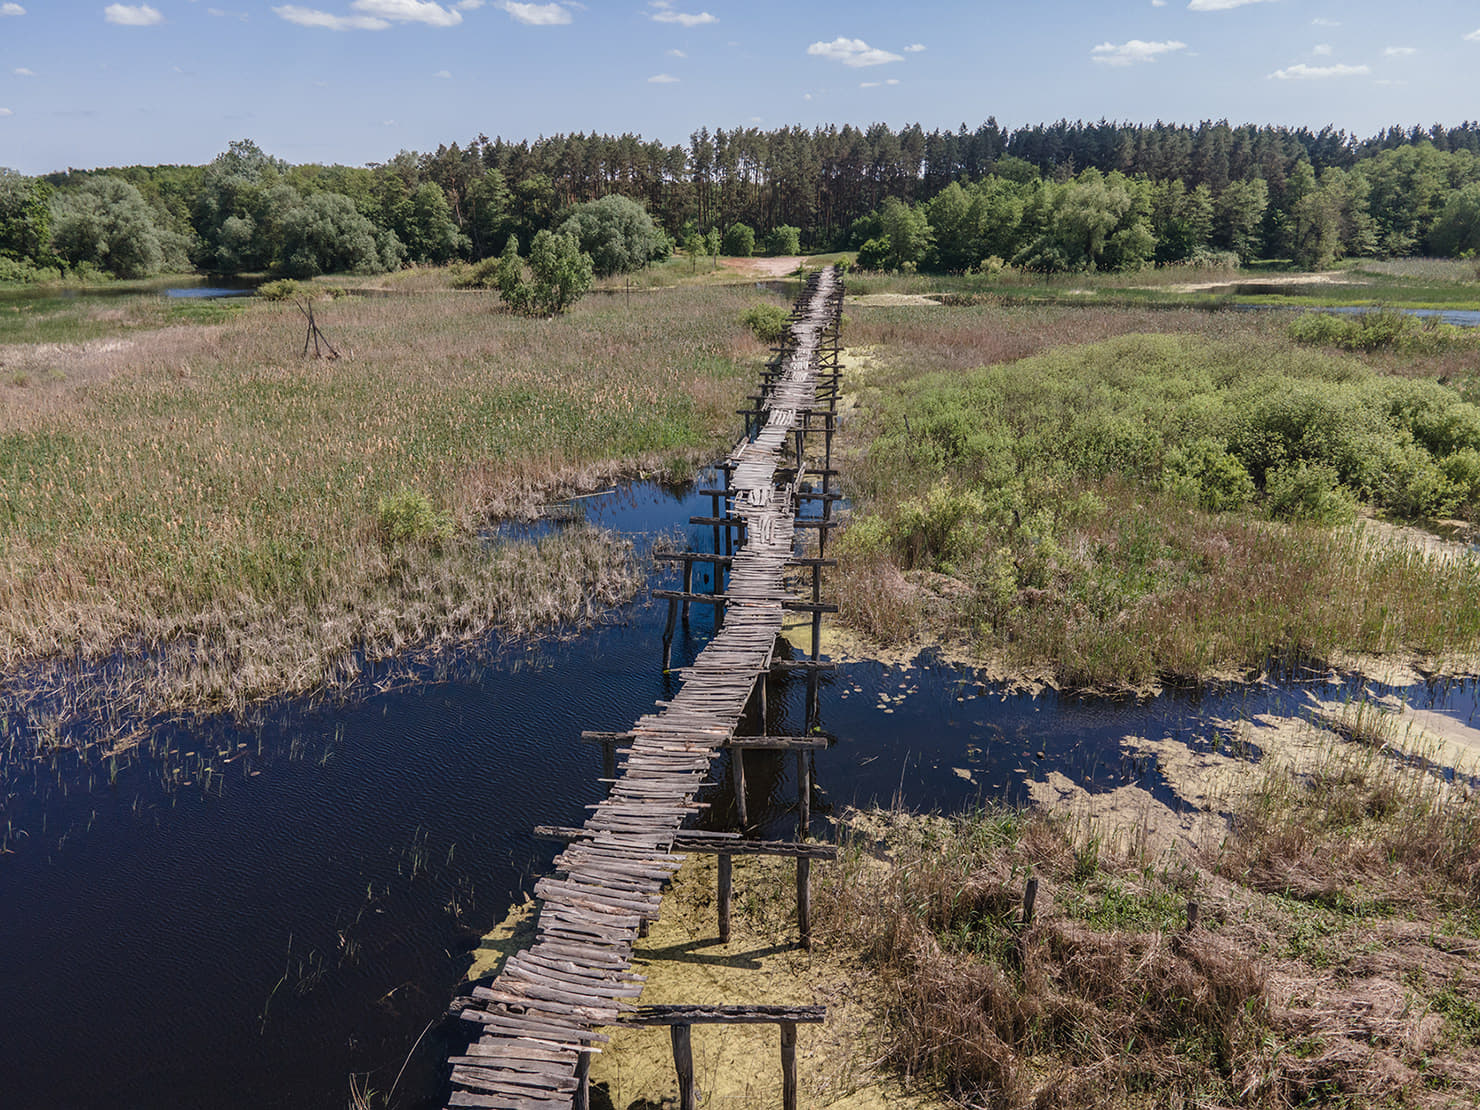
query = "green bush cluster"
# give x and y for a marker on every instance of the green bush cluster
(409, 517)
(1380, 330)
(767, 321)
(284, 289)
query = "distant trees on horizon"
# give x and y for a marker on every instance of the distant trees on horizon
(1047, 197)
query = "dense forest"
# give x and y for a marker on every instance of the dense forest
(1066, 196)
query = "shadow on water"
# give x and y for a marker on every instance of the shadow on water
(247, 914)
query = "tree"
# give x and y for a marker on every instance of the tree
(106, 223)
(327, 234)
(784, 240)
(1457, 231)
(428, 230)
(908, 232)
(739, 241)
(875, 253)
(1238, 217)
(954, 231)
(559, 274)
(25, 216)
(617, 233)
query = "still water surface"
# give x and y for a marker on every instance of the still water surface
(246, 915)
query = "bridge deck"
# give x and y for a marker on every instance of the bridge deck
(543, 1009)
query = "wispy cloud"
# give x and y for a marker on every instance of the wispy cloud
(371, 15)
(662, 79)
(312, 17)
(1321, 50)
(11, 9)
(877, 84)
(443, 75)
(914, 48)
(1133, 52)
(22, 71)
(1399, 51)
(1322, 21)
(1220, 5)
(663, 12)
(5, 112)
(1473, 36)
(538, 15)
(408, 11)
(468, 5)
(675, 53)
(1303, 72)
(132, 15)
(852, 52)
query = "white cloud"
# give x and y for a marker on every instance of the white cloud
(1158, 3)
(664, 13)
(675, 53)
(468, 5)
(1389, 84)
(131, 15)
(312, 17)
(1132, 52)
(537, 15)
(806, 96)
(852, 52)
(443, 75)
(12, 9)
(1322, 21)
(1399, 51)
(662, 79)
(22, 71)
(1303, 72)
(408, 11)
(1473, 36)
(914, 48)
(5, 112)
(877, 84)
(1220, 5)
(1321, 49)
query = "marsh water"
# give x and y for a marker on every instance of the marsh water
(252, 914)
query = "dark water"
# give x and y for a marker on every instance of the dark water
(248, 915)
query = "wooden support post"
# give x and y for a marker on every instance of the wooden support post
(683, 1063)
(804, 865)
(668, 631)
(737, 773)
(789, 1065)
(609, 757)
(1192, 908)
(1030, 895)
(688, 587)
(725, 864)
(582, 1101)
(804, 796)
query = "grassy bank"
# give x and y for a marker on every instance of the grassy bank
(1331, 963)
(252, 521)
(1147, 506)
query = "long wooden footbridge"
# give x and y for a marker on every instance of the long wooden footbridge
(540, 1017)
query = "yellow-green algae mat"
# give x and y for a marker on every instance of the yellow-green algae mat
(739, 1065)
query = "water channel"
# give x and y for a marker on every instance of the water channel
(248, 914)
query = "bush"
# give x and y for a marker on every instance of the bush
(875, 253)
(408, 517)
(739, 241)
(767, 321)
(284, 289)
(1310, 493)
(784, 240)
(1205, 473)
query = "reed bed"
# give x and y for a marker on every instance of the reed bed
(207, 500)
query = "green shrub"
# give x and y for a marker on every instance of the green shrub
(784, 240)
(767, 321)
(739, 241)
(875, 253)
(940, 529)
(1308, 492)
(1205, 473)
(408, 517)
(481, 275)
(283, 290)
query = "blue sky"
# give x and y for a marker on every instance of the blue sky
(91, 83)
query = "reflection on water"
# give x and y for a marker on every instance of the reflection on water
(246, 914)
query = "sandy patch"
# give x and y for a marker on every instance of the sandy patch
(1418, 539)
(779, 267)
(1328, 277)
(736, 1066)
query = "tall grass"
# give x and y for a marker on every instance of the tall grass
(209, 487)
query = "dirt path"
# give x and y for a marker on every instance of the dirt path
(779, 267)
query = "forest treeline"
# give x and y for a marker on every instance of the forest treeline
(1063, 196)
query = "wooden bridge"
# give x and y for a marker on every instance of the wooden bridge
(540, 1017)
